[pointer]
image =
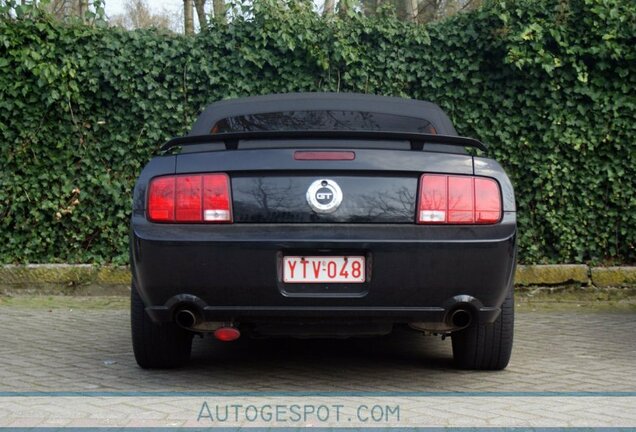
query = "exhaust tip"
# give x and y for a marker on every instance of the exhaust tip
(461, 318)
(227, 334)
(185, 318)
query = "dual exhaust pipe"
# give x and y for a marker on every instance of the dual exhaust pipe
(190, 320)
(185, 318)
(460, 318)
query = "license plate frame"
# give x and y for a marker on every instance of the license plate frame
(320, 269)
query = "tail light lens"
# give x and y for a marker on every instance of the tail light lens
(448, 199)
(199, 198)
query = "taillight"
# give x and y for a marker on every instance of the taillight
(449, 199)
(161, 199)
(194, 198)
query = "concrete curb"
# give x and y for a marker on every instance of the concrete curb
(86, 279)
(76, 279)
(613, 276)
(553, 274)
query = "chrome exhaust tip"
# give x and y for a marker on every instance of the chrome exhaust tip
(185, 318)
(461, 318)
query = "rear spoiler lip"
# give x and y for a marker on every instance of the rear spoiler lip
(417, 140)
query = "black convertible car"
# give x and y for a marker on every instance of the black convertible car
(322, 215)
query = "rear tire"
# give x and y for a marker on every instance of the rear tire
(156, 346)
(486, 346)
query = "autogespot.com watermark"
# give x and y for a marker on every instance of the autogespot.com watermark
(298, 413)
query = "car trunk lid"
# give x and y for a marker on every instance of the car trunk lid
(272, 185)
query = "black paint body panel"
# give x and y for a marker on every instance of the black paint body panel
(280, 198)
(233, 272)
(237, 265)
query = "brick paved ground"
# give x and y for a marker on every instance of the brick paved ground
(89, 350)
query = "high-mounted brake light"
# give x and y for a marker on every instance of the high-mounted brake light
(324, 155)
(448, 199)
(192, 198)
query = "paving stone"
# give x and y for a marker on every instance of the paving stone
(557, 352)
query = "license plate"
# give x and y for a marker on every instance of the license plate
(324, 269)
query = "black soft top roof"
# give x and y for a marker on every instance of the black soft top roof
(322, 101)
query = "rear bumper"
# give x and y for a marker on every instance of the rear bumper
(233, 272)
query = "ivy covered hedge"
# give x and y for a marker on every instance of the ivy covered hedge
(549, 84)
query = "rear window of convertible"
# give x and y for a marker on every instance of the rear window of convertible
(323, 120)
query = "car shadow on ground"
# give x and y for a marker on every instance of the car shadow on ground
(402, 361)
(402, 348)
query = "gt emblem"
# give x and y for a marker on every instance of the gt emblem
(324, 196)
